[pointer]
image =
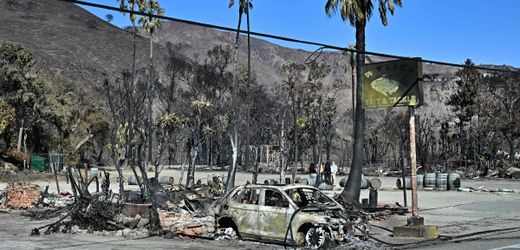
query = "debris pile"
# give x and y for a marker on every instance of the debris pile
(8, 168)
(60, 200)
(175, 211)
(185, 224)
(186, 213)
(21, 196)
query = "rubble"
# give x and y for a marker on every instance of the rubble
(21, 196)
(187, 225)
(181, 212)
(226, 233)
(60, 200)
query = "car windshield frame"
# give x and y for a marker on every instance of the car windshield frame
(307, 196)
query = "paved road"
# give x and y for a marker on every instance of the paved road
(499, 241)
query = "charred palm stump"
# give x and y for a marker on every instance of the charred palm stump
(90, 212)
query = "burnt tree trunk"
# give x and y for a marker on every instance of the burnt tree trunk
(352, 189)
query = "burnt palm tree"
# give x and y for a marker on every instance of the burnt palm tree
(244, 7)
(358, 13)
(150, 24)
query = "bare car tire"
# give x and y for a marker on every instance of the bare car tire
(315, 237)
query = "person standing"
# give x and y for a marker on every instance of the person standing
(333, 172)
(327, 173)
(313, 174)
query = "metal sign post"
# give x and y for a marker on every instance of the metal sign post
(391, 84)
(413, 163)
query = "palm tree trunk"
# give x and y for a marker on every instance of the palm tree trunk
(190, 178)
(247, 162)
(249, 83)
(150, 100)
(281, 143)
(353, 75)
(248, 44)
(296, 143)
(352, 189)
(230, 183)
(257, 161)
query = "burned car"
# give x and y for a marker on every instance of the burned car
(293, 214)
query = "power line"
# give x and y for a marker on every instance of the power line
(282, 38)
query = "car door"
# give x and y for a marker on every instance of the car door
(274, 214)
(243, 209)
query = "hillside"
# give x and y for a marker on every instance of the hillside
(71, 46)
(74, 49)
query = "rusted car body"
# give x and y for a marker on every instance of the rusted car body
(292, 214)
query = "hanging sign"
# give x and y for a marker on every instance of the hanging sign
(384, 83)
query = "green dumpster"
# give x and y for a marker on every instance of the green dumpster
(38, 163)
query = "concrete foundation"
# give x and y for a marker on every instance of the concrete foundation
(424, 231)
(415, 228)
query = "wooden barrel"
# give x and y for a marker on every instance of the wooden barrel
(365, 183)
(420, 181)
(375, 183)
(442, 181)
(407, 183)
(453, 181)
(429, 180)
(169, 180)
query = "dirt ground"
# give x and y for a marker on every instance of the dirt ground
(454, 212)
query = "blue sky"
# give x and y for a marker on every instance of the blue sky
(486, 31)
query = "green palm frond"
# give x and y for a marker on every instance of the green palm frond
(360, 10)
(242, 8)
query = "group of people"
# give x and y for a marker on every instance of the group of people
(322, 173)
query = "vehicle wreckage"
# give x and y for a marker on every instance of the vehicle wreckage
(289, 214)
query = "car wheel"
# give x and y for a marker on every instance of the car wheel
(315, 237)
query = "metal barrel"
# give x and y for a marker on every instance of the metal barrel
(375, 183)
(166, 180)
(429, 180)
(420, 181)
(442, 181)
(407, 183)
(453, 181)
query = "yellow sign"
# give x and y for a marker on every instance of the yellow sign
(385, 83)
